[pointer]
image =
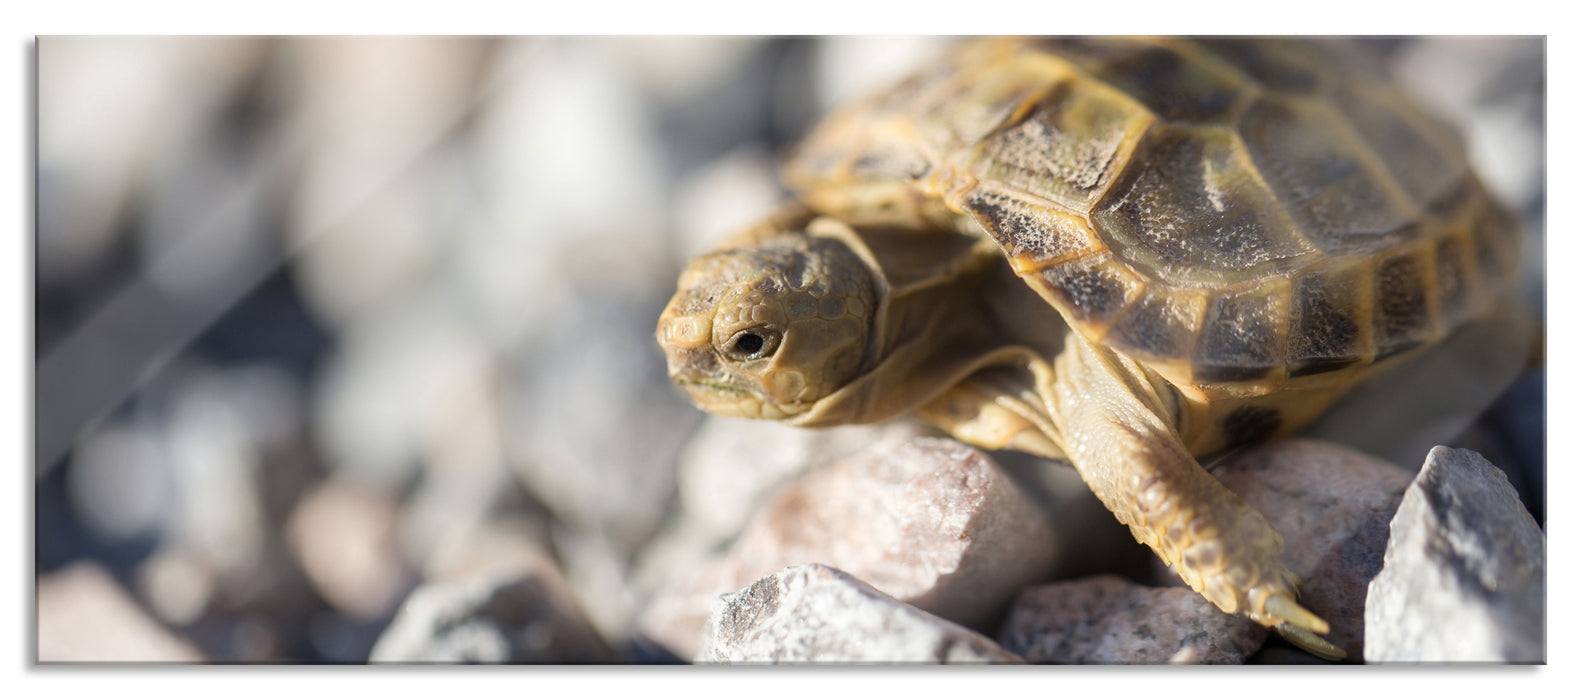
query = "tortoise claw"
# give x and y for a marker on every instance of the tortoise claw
(1310, 643)
(1301, 627)
(1294, 615)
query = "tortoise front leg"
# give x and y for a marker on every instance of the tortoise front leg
(1112, 419)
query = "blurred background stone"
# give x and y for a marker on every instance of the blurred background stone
(344, 537)
(85, 616)
(499, 618)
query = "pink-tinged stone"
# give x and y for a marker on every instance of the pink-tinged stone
(932, 523)
(1108, 620)
(1333, 506)
(345, 538)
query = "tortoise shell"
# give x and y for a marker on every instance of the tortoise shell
(1233, 213)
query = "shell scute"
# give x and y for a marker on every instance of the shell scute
(1033, 236)
(1069, 146)
(1418, 153)
(1325, 179)
(1170, 83)
(1193, 207)
(1402, 317)
(1159, 325)
(1325, 334)
(1095, 288)
(1277, 66)
(1241, 339)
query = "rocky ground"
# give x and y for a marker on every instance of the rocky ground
(345, 353)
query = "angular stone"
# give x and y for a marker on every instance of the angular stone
(85, 616)
(1333, 506)
(932, 523)
(816, 614)
(522, 617)
(1461, 548)
(1108, 620)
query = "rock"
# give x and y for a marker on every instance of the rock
(1108, 620)
(364, 222)
(177, 585)
(816, 614)
(1461, 548)
(600, 578)
(1333, 506)
(85, 616)
(1281, 653)
(120, 481)
(162, 91)
(732, 466)
(594, 427)
(527, 616)
(1511, 436)
(397, 384)
(932, 523)
(345, 538)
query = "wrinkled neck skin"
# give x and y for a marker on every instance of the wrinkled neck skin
(946, 308)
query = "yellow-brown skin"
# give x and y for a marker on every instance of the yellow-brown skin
(1207, 244)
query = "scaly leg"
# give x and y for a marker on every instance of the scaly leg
(1112, 419)
(996, 409)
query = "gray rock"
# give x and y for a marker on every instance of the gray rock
(85, 616)
(1333, 507)
(1109, 620)
(523, 617)
(815, 614)
(1461, 549)
(933, 523)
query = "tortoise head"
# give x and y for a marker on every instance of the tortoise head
(769, 328)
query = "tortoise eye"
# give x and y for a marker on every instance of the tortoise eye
(753, 343)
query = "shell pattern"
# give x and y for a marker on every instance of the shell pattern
(1233, 213)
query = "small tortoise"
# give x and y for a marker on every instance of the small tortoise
(1209, 242)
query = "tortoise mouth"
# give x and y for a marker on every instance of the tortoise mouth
(735, 400)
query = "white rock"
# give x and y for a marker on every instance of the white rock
(1464, 575)
(817, 614)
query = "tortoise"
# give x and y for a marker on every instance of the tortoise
(1209, 241)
